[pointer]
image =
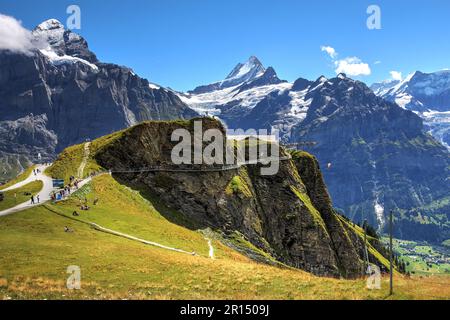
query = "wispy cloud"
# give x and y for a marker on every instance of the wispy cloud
(352, 66)
(396, 75)
(330, 51)
(13, 36)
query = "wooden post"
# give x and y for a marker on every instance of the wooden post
(391, 254)
(365, 246)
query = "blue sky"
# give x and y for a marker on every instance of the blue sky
(184, 43)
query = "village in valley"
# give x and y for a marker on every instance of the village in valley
(422, 258)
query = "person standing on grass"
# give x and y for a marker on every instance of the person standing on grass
(32, 199)
(37, 198)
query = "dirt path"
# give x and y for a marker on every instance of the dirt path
(44, 194)
(120, 234)
(83, 163)
(217, 169)
(127, 236)
(211, 248)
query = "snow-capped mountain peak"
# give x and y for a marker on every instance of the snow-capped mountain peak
(49, 32)
(241, 73)
(430, 84)
(61, 46)
(381, 88)
(427, 94)
(245, 87)
(50, 24)
(418, 91)
(251, 69)
(322, 79)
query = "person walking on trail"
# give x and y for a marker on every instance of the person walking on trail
(37, 198)
(32, 199)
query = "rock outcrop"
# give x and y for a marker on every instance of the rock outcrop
(288, 215)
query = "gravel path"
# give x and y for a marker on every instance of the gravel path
(44, 194)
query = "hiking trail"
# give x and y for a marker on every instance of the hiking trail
(83, 163)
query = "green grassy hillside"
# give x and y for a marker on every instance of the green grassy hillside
(67, 163)
(20, 195)
(36, 251)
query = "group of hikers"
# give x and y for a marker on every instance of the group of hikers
(33, 199)
(84, 207)
(65, 192)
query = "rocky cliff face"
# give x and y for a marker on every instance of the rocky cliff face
(379, 159)
(288, 215)
(60, 94)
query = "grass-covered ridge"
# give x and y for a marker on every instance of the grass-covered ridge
(70, 159)
(67, 163)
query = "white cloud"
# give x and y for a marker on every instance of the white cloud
(13, 36)
(396, 75)
(330, 51)
(377, 62)
(352, 66)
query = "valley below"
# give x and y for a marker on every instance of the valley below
(422, 258)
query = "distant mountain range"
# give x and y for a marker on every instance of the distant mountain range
(378, 156)
(427, 94)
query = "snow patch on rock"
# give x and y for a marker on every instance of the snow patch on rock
(57, 60)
